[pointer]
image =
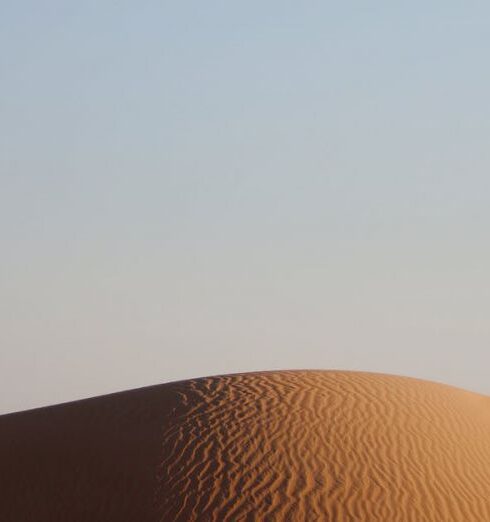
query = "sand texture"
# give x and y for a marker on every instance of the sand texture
(292, 445)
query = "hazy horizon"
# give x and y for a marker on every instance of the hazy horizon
(200, 189)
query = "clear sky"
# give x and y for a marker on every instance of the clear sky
(194, 188)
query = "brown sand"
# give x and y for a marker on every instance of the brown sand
(299, 446)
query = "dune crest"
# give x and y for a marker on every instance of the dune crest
(289, 445)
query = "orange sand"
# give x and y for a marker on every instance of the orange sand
(299, 446)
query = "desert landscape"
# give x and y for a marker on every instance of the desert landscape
(288, 445)
(244, 261)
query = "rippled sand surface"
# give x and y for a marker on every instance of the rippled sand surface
(292, 445)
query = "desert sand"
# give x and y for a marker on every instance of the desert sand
(289, 445)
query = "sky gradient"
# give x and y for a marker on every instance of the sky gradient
(195, 188)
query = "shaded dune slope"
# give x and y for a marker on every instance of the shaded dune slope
(292, 445)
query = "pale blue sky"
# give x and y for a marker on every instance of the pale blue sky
(193, 188)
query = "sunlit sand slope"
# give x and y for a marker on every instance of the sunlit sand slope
(325, 446)
(298, 446)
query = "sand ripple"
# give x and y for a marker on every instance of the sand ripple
(312, 445)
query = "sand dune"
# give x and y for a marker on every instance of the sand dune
(299, 446)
